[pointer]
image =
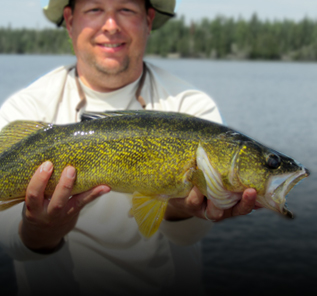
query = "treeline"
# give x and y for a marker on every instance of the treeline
(219, 38)
(27, 41)
(227, 38)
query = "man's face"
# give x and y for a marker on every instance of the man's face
(109, 35)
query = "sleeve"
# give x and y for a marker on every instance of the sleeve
(190, 231)
(12, 109)
(35, 102)
(22, 105)
(10, 240)
(199, 104)
(186, 232)
(16, 108)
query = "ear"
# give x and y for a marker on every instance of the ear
(68, 17)
(150, 17)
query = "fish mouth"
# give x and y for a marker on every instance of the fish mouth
(278, 188)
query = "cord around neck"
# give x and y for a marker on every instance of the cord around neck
(83, 99)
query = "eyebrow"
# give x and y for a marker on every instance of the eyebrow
(120, 1)
(127, 1)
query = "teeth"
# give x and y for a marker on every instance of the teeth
(112, 45)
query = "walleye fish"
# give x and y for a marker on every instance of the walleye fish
(153, 155)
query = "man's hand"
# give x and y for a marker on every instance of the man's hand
(46, 221)
(197, 205)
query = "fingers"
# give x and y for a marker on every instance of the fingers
(183, 208)
(60, 202)
(35, 190)
(195, 204)
(195, 199)
(62, 192)
(77, 202)
(212, 212)
(247, 203)
(244, 207)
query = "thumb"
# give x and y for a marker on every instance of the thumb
(78, 201)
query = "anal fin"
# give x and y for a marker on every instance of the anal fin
(148, 212)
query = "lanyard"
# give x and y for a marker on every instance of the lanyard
(138, 96)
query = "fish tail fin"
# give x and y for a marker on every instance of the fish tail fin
(148, 212)
(6, 204)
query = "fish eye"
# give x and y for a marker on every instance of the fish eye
(273, 161)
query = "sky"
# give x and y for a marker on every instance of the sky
(28, 13)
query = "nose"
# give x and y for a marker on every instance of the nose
(111, 24)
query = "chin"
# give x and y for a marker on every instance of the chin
(112, 67)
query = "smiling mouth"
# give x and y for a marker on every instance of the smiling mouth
(112, 45)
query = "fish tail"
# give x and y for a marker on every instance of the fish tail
(6, 204)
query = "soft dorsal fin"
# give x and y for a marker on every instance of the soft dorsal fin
(15, 131)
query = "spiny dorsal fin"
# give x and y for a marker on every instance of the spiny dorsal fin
(15, 131)
(148, 212)
(97, 115)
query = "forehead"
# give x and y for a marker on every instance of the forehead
(138, 2)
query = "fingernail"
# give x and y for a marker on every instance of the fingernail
(250, 196)
(104, 190)
(216, 213)
(47, 166)
(70, 172)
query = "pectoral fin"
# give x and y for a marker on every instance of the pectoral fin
(148, 212)
(197, 178)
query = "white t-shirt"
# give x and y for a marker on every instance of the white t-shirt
(105, 254)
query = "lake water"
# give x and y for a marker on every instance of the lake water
(273, 102)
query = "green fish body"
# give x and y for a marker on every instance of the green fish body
(153, 155)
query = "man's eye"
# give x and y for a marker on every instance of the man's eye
(94, 10)
(127, 10)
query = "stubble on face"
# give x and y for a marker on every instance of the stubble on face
(104, 70)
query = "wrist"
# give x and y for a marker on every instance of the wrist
(37, 243)
(49, 250)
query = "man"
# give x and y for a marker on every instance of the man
(85, 244)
